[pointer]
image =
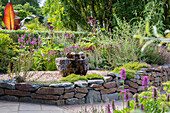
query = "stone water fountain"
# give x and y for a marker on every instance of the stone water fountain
(73, 63)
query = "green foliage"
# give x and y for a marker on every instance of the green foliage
(131, 68)
(74, 77)
(7, 50)
(94, 76)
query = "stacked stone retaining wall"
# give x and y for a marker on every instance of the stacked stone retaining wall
(82, 91)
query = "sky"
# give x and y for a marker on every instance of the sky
(42, 2)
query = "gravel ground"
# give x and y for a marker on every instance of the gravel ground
(47, 76)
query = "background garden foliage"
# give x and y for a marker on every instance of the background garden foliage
(107, 37)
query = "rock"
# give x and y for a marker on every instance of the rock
(107, 91)
(75, 101)
(80, 95)
(149, 69)
(27, 87)
(81, 90)
(110, 97)
(1, 91)
(139, 82)
(97, 81)
(81, 83)
(140, 89)
(108, 78)
(137, 77)
(95, 85)
(17, 92)
(60, 102)
(9, 98)
(151, 78)
(46, 97)
(37, 101)
(50, 102)
(25, 99)
(117, 82)
(94, 95)
(133, 90)
(70, 87)
(110, 84)
(133, 80)
(7, 85)
(69, 90)
(61, 85)
(114, 75)
(131, 84)
(50, 91)
(157, 79)
(99, 88)
(68, 95)
(121, 87)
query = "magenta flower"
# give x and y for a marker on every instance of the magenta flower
(17, 35)
(145, 97)
(49, 60)
(93, 21)
(154, 95)
(48, 23)
(126, 95)
(32, 42)
(123, 74)
(19, 40)
(128, 104)
(145, 82)
(27, 42)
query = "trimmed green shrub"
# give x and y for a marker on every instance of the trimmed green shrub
(131, 68)
(74, 77)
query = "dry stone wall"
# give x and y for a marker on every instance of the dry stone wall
(82, 91)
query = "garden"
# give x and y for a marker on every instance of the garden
(77, 52)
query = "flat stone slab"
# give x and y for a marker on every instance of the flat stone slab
(61, 85)
(50, 91)
(81, 83)
(111, 97)
(96, 81)
(27, 87)
(7, 85)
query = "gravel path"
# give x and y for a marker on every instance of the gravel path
(47, 76)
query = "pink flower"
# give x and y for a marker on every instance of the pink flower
(145, 82)
(123, 74)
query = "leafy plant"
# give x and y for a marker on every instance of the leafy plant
(130, 68)
(74, 77)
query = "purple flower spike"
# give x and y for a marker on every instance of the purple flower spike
(126, 95)
(48, 23)
(145, 82)
(142, 107)
(108, 108)
(128, 104)
(136, 101)
(90, 18)
(168, 97)
(155, 95)
(113, 105)
(123, 74)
